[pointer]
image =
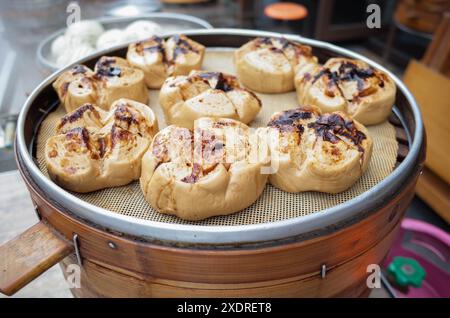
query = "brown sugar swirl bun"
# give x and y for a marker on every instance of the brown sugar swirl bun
(212, 170)
(318, 152)
(206, 94)
(159, 58)
(112, 78)
(268, 65)
(93, 149)
(347, 85)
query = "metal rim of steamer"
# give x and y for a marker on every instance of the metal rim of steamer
(217, 235)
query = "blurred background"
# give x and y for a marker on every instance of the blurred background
(412, 40)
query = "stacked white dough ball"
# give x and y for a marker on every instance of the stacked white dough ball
(85, 37)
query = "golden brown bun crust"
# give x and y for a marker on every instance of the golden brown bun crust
(159, 58)
(347, 85)
(112, 78)
(318, 152)
(93, 149)
(206, 94)
(213, 170)
(268, 65)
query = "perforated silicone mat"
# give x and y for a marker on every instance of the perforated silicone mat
(274, 204)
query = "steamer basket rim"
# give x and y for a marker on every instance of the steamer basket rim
(198, 234)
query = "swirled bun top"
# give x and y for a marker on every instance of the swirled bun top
(268, 65)
(211, 170)
(318, 152)
(159, 58)
(111, 79)
(347, 85)
(206, 94)
(93, 149)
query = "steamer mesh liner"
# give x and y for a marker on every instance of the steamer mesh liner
(274, 204)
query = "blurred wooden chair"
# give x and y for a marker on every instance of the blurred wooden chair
(437, 55)
(429, 81)
(418, 18)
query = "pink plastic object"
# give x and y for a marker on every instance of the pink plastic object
(430, 246)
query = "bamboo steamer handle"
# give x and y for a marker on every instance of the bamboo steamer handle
(30, 254)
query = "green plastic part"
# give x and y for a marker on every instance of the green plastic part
(406, 272)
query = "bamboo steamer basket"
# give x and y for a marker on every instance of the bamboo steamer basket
(321, 254)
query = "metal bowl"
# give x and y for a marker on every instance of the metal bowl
(170, 22)
(44, 98)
